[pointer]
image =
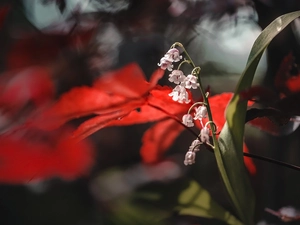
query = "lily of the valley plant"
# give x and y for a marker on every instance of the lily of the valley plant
(199, 110)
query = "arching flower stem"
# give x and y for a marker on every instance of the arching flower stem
(196, 72)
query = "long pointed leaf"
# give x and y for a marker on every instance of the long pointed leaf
(229, 152)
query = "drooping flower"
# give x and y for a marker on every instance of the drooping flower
(173, 55)
(201, 112)
(179, 94)
(177, 76)
(190, 82)
(204, 134)
(191, 153)
(195, 146)
(187, 120)
(190, 157)
(166, 63)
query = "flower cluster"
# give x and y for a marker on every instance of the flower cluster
(183, 82)
(179, 93)
(190, 156)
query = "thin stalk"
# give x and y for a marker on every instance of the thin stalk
(197, 70)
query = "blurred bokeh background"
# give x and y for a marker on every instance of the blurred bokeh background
(76, 41)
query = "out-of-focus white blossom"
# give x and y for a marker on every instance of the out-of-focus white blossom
(263, 223)
(177, 7)
(177, 76)
(187, 120)
(180, 94)
(289, 211)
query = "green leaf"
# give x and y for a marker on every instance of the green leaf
(124, 211)
(196, 201)
(229, 153)
(186, 197)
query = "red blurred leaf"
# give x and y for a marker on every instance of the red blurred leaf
(293, 84)
(286, 82)
(129, 81)
(119, 92)
(36, 50)
(155, 77)
(276, 119)
(259, 94)
(31, 84)
(268, 119)
(83, 101)
(157, 106)
(160, 107)
(124, 97)
(265, 124)
(22, 93)
(283, 73)
(158, 139)
(41, 49)
(98, 122)
(249, 162)
(30, 154)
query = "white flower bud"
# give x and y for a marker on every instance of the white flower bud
(190, 157)
(195, 146)
(204, 134)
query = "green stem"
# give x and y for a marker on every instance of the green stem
(184, 61)
(178, 44)
(196, 72)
